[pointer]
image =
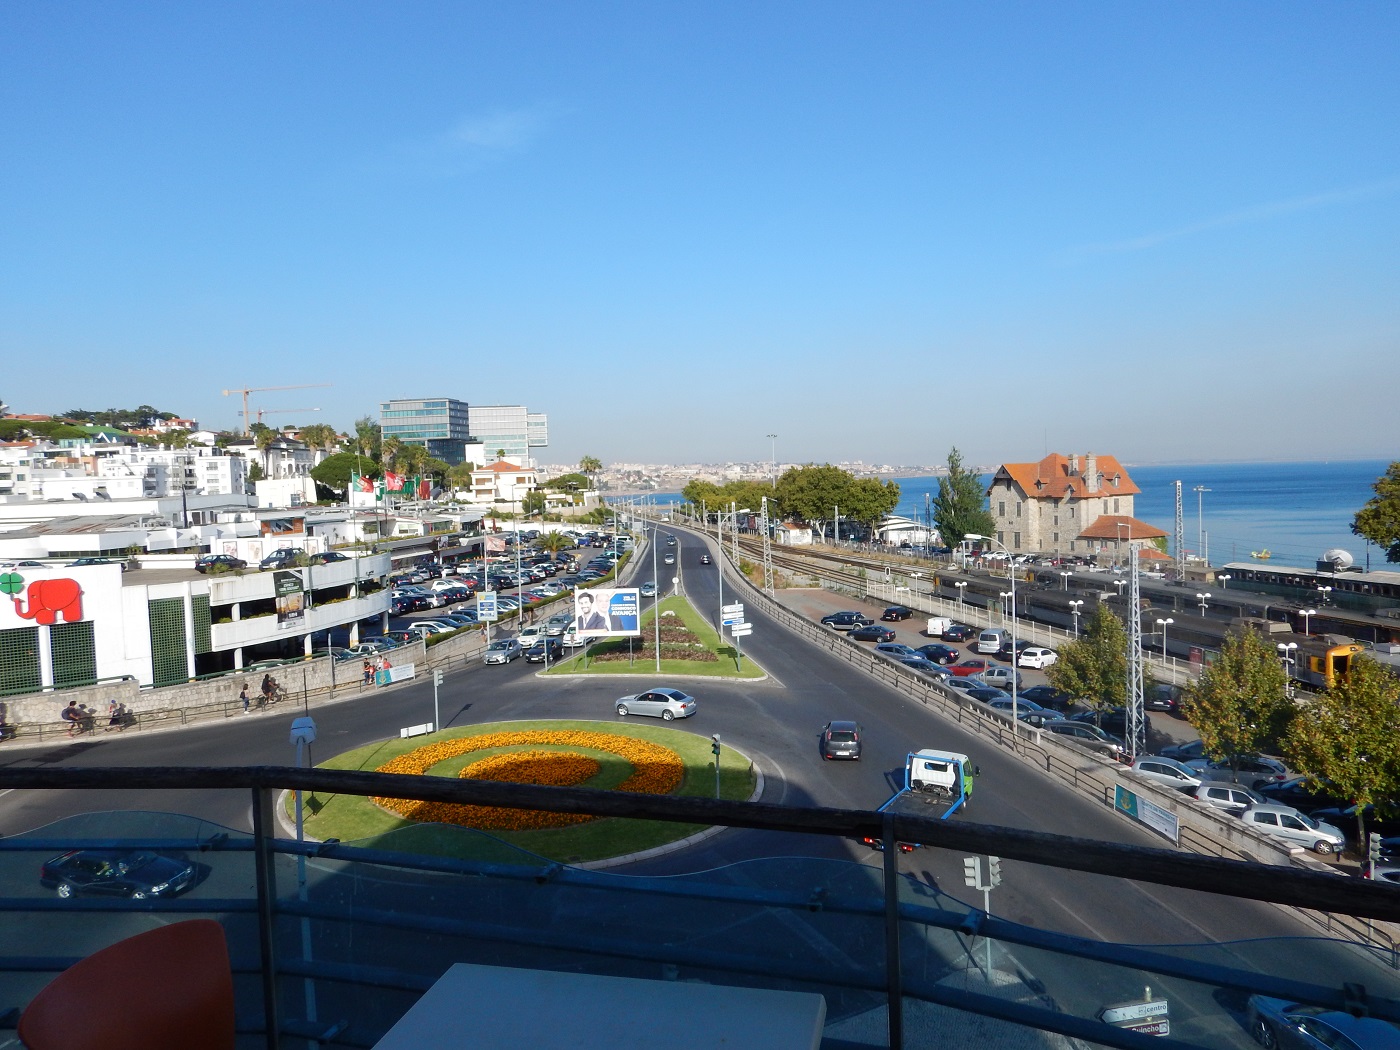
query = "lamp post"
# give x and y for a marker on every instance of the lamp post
(1015, 653)
(656, 598)
(773, 459)
(1307, 619)
(1204, 599)
(1285, 652)
(961, 585)
(1003, 595)
(1064, 581)
(1200, 491)
(1224, 579)
(1326, 593)
(1120, 584)
(1074, 608)
(1164, 624)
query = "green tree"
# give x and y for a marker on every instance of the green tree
(871, 500)
(533, 503)
(1094, 667)
(589, 466)
(256, 472)
(1240, 703)
(700, 493)
(554, 542)
(961, 505)
(412, 458)
(1350, 735)
(1379, 520)
(460, 476)
(368, 437)
(320, 436)
(568, 483)
(390, 449)
(812, 493)
(334, 471)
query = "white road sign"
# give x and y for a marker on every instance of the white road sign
(737, 607)
(741, 631)
(1133, 1011)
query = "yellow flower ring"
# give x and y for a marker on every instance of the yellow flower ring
(657, 770)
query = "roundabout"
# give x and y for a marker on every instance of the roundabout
(599, 755)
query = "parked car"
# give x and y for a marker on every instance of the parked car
(434, 626)
(925, 667)
(1169, 772)
(1001, 677)
(897, 649)
(1253, 772)
(370, 647)
(967, 667)
(1233, 798)
(81, 562)
(335, 652)
(1048, 696)
(327, 557)
(219, 563)
(871, 632)
(939, 654)
(1037, 657)
(845, 620)
(1289, 824)
(1383, 820)
(1112, 720)
(987, 694)
(546, 650)
(1163, 697)
(1186, 751)
(1089, 737)
(965, 684)
(1277, 1024)
(959, 632)
(137, 873)
(282, 558)
(502, 652)
(841, 740)
(1027, 711)
(897, 612)
(660, 702)
(1305, 793)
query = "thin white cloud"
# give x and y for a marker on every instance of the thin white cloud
(469, 145)
(1255, 213)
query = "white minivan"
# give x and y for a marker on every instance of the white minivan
(992, 640)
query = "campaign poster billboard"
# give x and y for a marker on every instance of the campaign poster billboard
(487, 609)
(290, 589)
(600, 612)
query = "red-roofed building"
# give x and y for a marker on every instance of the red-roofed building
(501, 482)
(1062, 505)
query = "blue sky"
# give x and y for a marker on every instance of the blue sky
(1163, 231)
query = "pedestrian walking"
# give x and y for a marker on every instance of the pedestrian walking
(72, 716)
(114, 716)
(243, 696)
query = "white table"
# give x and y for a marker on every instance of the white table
(502, 1008)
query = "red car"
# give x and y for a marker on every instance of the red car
(968, 667)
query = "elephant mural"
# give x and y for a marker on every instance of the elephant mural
(51, 599)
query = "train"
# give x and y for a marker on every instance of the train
(1351, 588)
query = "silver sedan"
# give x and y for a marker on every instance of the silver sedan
(659, 703)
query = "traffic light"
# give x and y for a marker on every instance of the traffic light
(994, 870)
(715, 746)
(437, 678)
(1373, 851)
(972, 871)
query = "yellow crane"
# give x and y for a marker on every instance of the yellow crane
(246, 390)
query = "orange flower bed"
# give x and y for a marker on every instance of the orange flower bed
(657, 770)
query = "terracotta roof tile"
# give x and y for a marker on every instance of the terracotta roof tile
(1114, 526)
(1051, 477)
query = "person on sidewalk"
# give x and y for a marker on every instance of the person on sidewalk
(243, 695)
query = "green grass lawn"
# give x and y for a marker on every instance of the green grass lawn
(357, 820)
(725, 667)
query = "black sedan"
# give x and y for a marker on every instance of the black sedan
(546, 650)
(117, 873)
(1277, 1024)
(219, 563)
(896, 612)
(959, 632)
(939, 654)
(872, 632)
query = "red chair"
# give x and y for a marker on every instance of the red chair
(170, 988)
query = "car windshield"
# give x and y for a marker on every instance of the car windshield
(840, 736)
(499, 646)
(1307, 820)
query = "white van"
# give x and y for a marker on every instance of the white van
(937, 625)
(992, 640)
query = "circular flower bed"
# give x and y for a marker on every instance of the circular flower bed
(657, 770)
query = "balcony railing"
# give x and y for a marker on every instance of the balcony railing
(332, 942)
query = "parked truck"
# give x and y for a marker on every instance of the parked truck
(936, 784)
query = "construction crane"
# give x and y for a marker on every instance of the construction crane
(260, 412)
(246, 390)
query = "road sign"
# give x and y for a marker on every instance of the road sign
(742, 626)
(732, 618)
(737, 607)
(1160, 1026)
(741, 630)
(1132, 1013)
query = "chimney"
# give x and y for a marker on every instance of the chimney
(1073, 464)
(1091, 473)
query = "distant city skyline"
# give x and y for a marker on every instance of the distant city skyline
(1163, 233)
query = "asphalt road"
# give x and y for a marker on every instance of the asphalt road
(776, 722)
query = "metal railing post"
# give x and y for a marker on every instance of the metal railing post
(265, 857)
(894, 985)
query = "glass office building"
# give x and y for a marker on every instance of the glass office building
(439, 423)
(508, 430)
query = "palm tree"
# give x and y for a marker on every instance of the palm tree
(554, 542)
(590, 465)
(390, 451)
(264, 439)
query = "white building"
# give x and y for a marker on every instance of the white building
(502, 482)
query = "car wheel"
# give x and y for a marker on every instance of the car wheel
(666, 716)
(139, 895)
(1263, 1034)
(1323, 849)
(622, 710)
(65, 890)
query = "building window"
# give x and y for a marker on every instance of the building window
(1071, 514)
(1055, 538)
(1115, 504)
(1001, 508)
(1018, 508)
(1001, 537)
(1057, 520)
(1016, 540)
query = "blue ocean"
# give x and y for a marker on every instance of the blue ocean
(1293, 510)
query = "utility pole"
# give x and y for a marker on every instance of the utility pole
(1137, 715)
(1180, 538)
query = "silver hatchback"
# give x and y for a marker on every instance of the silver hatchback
(660, 702)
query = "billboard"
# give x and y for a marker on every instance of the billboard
(487, 609)
(290, 589)
(605, 611)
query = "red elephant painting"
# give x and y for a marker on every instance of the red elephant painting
(51, 599)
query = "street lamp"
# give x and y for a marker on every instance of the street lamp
(1164, 624)
(1200, 491)
(1003, 595)
(1074, 608)
(1285, 652)
(960, 585)
(1064, 580)
(1015, 653)
(1120, 584)
(773, 459)
(1326, 593)
(1224, 578)
(1203, 599)
(1307, 615)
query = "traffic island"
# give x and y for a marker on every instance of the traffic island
(653, 760)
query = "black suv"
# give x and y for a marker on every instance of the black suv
(282, 558)
(845, 621)
(897, 612)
